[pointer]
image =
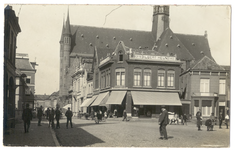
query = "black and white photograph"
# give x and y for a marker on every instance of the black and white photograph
(116, 75)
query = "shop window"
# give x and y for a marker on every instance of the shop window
(137, 77)
(222, 83)
(120, 77)
(206, 107)
(161, 78)
(170, 78)
(147, 77)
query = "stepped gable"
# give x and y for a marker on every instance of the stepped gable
(196, 44)
(206, 63)
(85, 38)
(169, 43)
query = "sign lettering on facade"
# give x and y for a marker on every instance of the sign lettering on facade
(152, 57)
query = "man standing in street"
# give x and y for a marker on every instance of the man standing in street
(221, 118)
(163, 121)
(39, 115)
(69, 115)
(199, 119)
(57, 117)
(26, 117)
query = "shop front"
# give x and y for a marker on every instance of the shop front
(148, 104)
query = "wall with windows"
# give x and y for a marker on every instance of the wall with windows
(153, 76)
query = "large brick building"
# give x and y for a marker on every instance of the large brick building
(84, 42)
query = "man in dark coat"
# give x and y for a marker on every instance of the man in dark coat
(51, 118)
(39, 115)
(199, 119)
(221, 118)
(26, 117)
(163, 121)
(57, 117)
(69, 115)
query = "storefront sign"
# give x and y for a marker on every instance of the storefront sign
(152, 57)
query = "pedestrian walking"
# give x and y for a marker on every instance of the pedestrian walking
(69, 115)
(51, 118)
(47, 113)
(226, 120)
(124, 115)
(57, 117)
(221, 118)
(199, 119)
(185, 119)
(27, 116)
(39, 115)
(163, 121)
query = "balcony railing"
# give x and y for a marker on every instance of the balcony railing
(205, 94)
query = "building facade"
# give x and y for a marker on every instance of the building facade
(11, 30)
(99, 44)
(137, 80)
(82, 86)
(204, 87)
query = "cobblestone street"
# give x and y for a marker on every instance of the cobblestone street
(139, 133)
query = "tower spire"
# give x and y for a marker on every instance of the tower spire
(67, 25)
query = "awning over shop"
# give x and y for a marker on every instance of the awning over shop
(88, 101)
(100, 98)
(155, 98)
(116, 97)
(67, 106)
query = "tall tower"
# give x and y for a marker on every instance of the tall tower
(61, 60)
(66, 59)
(160, 20)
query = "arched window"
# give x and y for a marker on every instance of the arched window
(137, 76)
(147, 77)
(171, 78)
(120, 56)
(120, 77)
(161, 78)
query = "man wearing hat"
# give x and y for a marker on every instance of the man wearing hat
(26, 117)
(69, 115)
(163, 121)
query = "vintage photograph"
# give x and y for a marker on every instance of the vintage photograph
(154, 76)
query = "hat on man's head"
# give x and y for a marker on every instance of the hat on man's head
(68, 107)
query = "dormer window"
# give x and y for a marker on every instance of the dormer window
(120, 56)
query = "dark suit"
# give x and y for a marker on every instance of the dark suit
(163, 121)
(26, 117)
(69, 115)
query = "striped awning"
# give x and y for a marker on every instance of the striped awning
(100, 98)
(88, 101)
(155, 98)
(116, 97)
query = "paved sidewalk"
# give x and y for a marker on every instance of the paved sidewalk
(37, 135)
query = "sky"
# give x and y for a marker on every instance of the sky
(41, 27)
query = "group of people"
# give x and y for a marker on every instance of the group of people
(51, 114)
(211, 121)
